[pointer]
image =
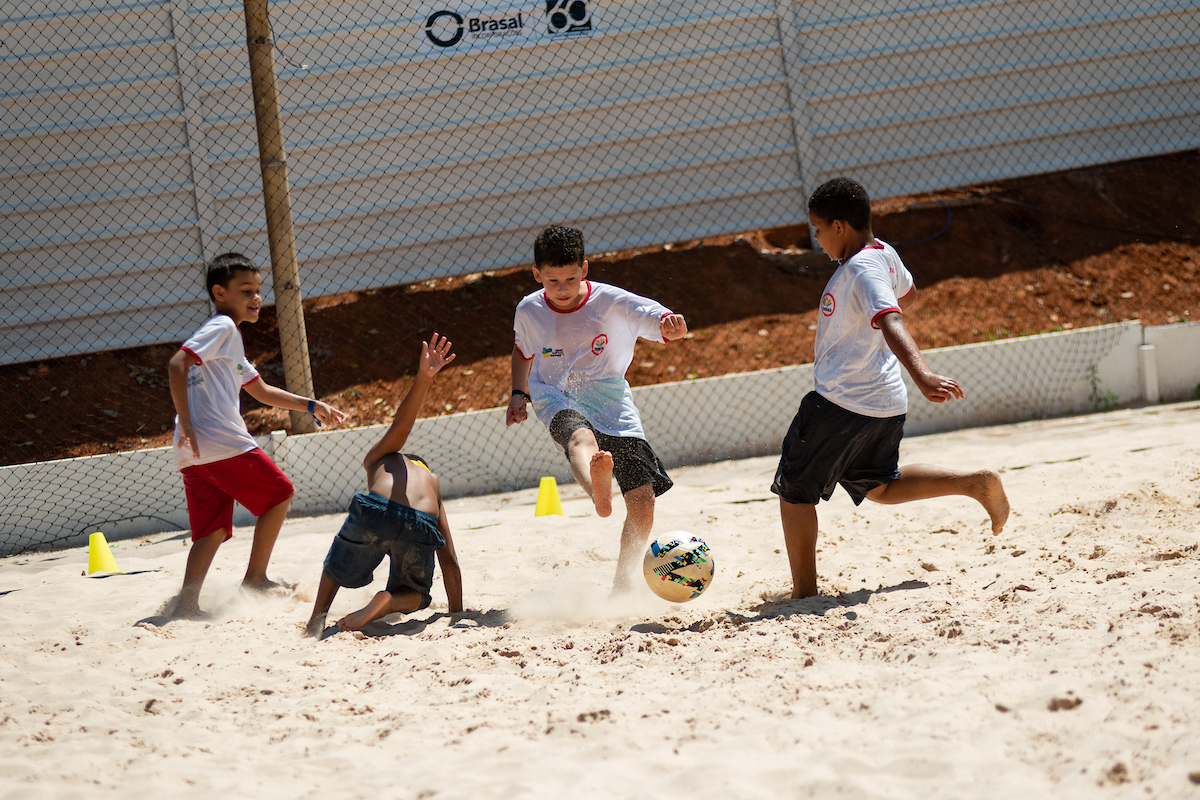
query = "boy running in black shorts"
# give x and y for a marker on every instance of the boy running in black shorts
(848, 431)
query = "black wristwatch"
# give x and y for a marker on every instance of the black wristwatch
(524, 394)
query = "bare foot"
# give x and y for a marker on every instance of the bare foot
(621, 588)
(316, 624)
(991, 495)
(601, 469)
(355, 621)
(379, 606)
(266, 585)
(187, 609)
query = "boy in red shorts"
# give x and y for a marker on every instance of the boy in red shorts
(218, 458)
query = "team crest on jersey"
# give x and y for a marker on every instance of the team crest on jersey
(599, 343)
(828, 304)
(550, 352)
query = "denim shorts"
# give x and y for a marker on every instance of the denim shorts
(376, 526)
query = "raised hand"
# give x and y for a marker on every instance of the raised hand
(435, 354)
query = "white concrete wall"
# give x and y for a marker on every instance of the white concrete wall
(130, 154)
(1177, 356)
(127, 494)
(908, 96)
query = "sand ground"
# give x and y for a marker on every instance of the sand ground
(1058, 660)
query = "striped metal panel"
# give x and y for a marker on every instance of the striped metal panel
(674, 123)
(907, 96)
(100, 243)
(131, 153)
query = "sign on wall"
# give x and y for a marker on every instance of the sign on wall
(449, 27)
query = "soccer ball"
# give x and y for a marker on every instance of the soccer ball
(678, 566)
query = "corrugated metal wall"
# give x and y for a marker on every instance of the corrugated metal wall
(407, 164)
(908, 97)
(130, 149)
(96, 188)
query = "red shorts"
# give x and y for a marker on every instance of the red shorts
(251, 479)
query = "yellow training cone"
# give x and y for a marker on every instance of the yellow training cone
(548, 502)
(100, 558)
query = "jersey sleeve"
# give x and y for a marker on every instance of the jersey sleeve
(644, 315)
(523, 331)
(212, 339)
(248, 371)
(905, 282)
(874, 293)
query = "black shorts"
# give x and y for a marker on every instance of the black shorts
(634, 461)
(827, 445)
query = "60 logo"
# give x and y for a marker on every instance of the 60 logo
(568, 16)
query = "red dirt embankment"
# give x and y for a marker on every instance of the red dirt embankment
(1025, 256)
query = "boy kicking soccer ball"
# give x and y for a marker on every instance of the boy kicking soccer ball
(574, 342)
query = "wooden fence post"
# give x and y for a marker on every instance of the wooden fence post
(293, 337)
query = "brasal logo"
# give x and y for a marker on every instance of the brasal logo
(502, 26)
(444, 28)
(568, 16)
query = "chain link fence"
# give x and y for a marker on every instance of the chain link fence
(420, 148)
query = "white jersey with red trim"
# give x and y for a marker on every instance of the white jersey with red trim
(213, 389)
(580, 356)
(854, 367)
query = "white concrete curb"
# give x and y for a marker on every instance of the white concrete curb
(690, 422)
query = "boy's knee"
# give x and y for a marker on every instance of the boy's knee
(639, 502)
(582, 437)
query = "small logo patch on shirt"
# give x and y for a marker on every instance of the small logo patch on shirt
(551, 352)
(828, 304)
(599, 343)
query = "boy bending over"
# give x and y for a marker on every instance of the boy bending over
(574, 342)
(401, 516)
(218, 458)
(848, 431)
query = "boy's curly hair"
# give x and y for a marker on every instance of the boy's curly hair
(222, 269)
(844, 199)
(558, 246)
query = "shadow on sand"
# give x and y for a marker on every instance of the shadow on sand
(381, 628)
(821, 604)
(777, 607)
